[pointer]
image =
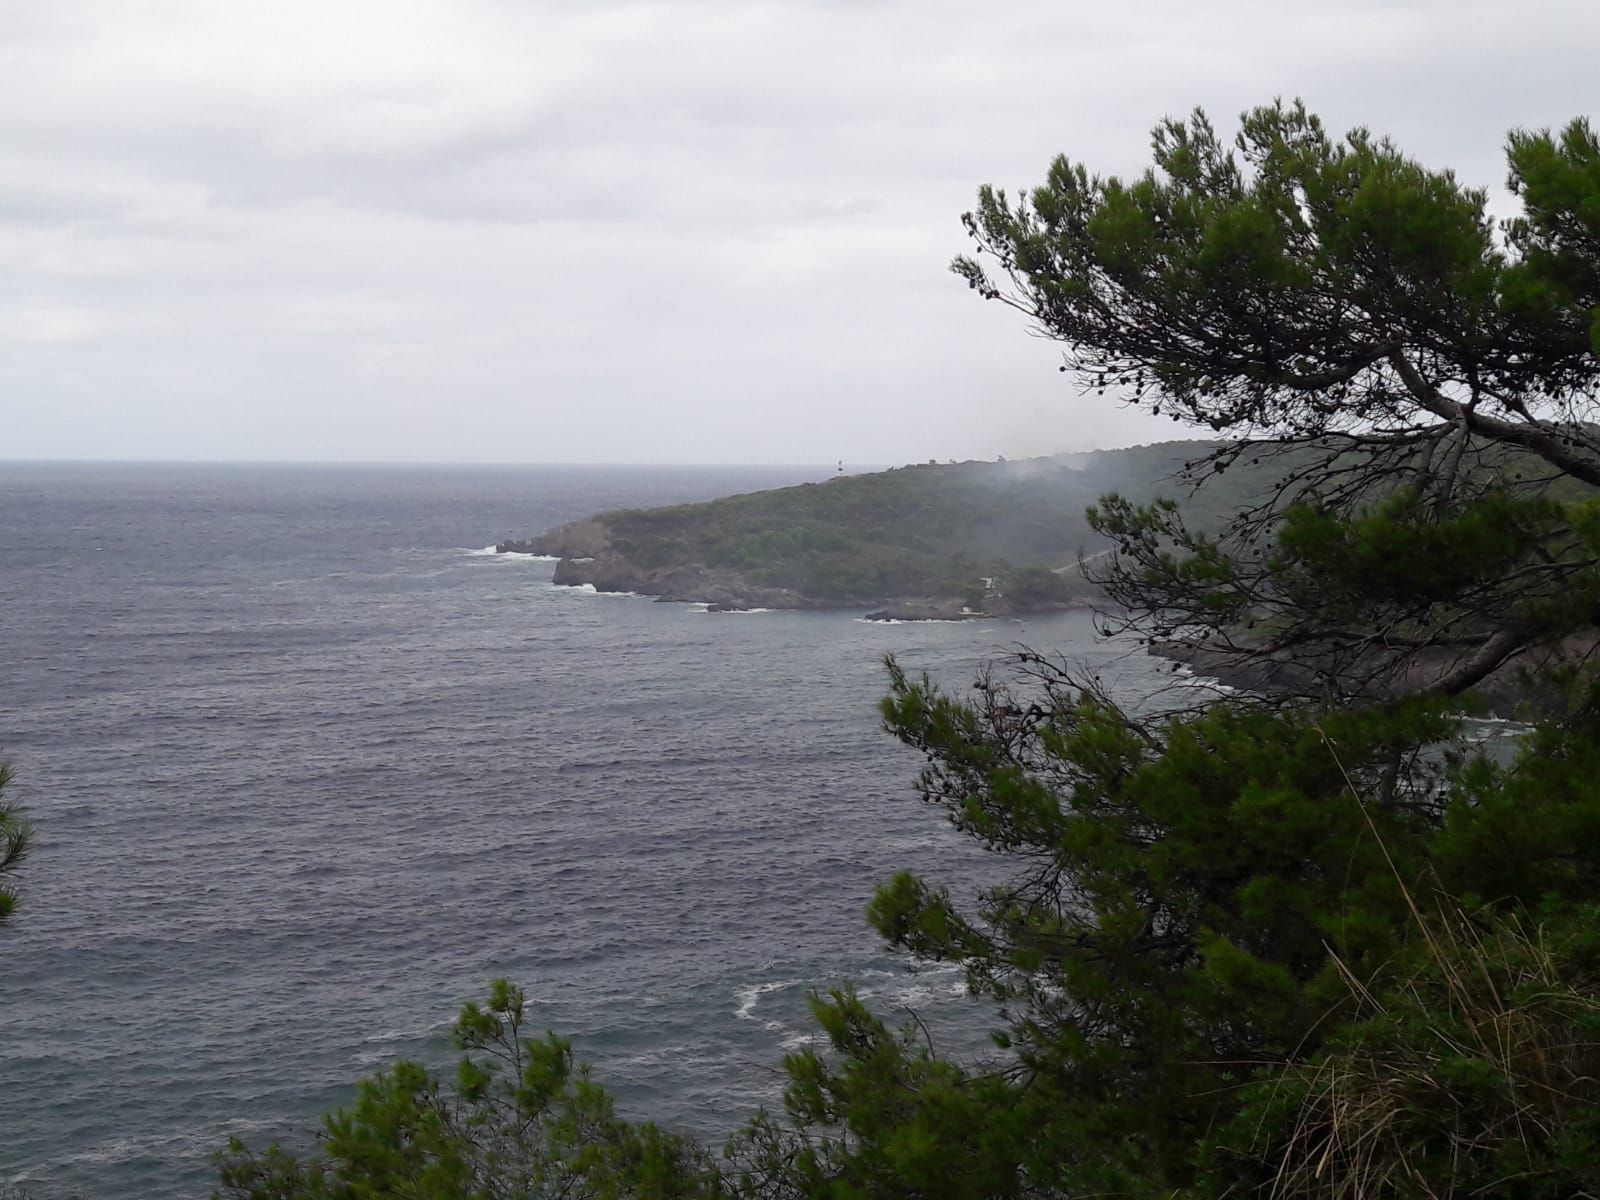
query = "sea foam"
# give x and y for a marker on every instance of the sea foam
(491, 552)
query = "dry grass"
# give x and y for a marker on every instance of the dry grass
(1467, 1076)
(1483, 1056)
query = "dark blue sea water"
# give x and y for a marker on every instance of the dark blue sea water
(308, 770)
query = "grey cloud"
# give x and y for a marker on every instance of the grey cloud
(694, 230)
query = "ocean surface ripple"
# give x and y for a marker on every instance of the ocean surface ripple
(309, 769)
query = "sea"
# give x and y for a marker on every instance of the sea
(310, 765)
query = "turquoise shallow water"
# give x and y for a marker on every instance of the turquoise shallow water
(308, 771)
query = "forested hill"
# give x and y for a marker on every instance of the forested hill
(917, 537)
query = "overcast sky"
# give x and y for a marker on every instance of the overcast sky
(666, 231)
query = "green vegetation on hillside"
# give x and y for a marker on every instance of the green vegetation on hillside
(1014, 533)
(927, 530)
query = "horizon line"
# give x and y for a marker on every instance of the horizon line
(428, 462)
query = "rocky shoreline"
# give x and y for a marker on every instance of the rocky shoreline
(586, 555)
(1526, 684)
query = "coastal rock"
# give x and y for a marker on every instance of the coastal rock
(606, 570)
(577, 540)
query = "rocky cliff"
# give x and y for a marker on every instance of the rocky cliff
(587, 556)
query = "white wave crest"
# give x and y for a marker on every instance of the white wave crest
(920, 988)
(589, 589)
(918, 621)
(750, 995)
(491, 552)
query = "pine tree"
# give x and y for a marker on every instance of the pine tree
(1213, 895)
(16, 839)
